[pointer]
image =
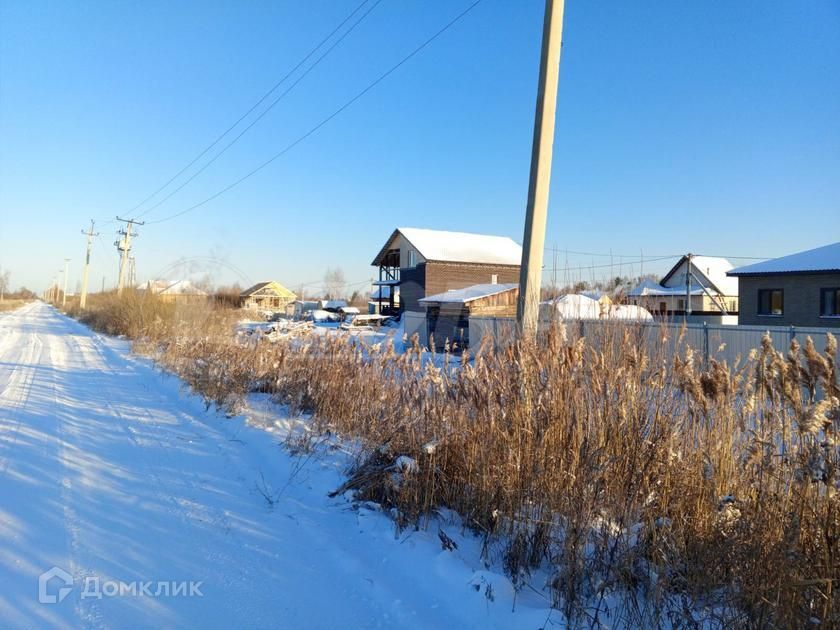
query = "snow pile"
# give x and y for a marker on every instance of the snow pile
(582, 307)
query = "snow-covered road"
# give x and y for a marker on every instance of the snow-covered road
(111, 473)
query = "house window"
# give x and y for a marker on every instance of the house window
(494, 279)
(830, 302)
(663, 307)
(680, 305)
(770, 302)
(412, 258)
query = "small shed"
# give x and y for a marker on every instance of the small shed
(448, 314)
(266, 296)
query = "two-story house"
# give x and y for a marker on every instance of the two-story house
(420, 262)
(698, 285)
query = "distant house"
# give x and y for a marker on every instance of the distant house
(801, 289)
(177, 291)
(448, 314)
(266, 296)
(698, 284)
(418, 262)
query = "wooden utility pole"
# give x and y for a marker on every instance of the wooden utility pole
(90, 234)
(124, 247)
(64, 294)
(533, 243)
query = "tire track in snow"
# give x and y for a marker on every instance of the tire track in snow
(26, 367)
(189, 511)
(87, 610)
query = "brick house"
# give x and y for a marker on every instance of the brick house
(801, 289)
(420, 262)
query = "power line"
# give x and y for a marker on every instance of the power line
(563, 250)
(323, 122)
(248, 112)
(261, 115)
(604, 266)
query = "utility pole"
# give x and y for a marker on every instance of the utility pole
(688, 285)
(528, 304)
(90, 234)
(124, 246)
(64, 295)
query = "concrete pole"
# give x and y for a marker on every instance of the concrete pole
(533, 243)
(90, 234)
(126, 248)
(64, 294)
(688, 285)
(125, 245)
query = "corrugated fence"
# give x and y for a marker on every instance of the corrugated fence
(719, 341)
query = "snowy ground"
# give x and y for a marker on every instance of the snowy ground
(111, 472)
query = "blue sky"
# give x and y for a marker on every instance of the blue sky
(711, 127)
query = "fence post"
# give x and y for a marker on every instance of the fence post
(705, 343)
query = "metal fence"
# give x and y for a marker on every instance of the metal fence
(709, 340)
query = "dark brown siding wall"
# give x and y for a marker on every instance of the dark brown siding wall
(431, 278)
(801, 299)
(448, 324)
(412, 283)
(442, 277)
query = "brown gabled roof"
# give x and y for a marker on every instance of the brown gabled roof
(279, 289)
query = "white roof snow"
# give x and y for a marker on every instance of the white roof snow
(168, 287)
(463, 247)
(577, 307)
(462, 296)
(384, 291)
(650, 287)
(582, 307)
(821, 259)
(713, 268)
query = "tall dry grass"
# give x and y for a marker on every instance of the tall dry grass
(644, 487)
(10, 304)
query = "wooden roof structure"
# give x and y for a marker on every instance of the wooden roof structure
(270, 288)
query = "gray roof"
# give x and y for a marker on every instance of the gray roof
(825, 259)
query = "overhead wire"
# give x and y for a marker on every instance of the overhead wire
(247, 113)
(261, 115)
(324, 121)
